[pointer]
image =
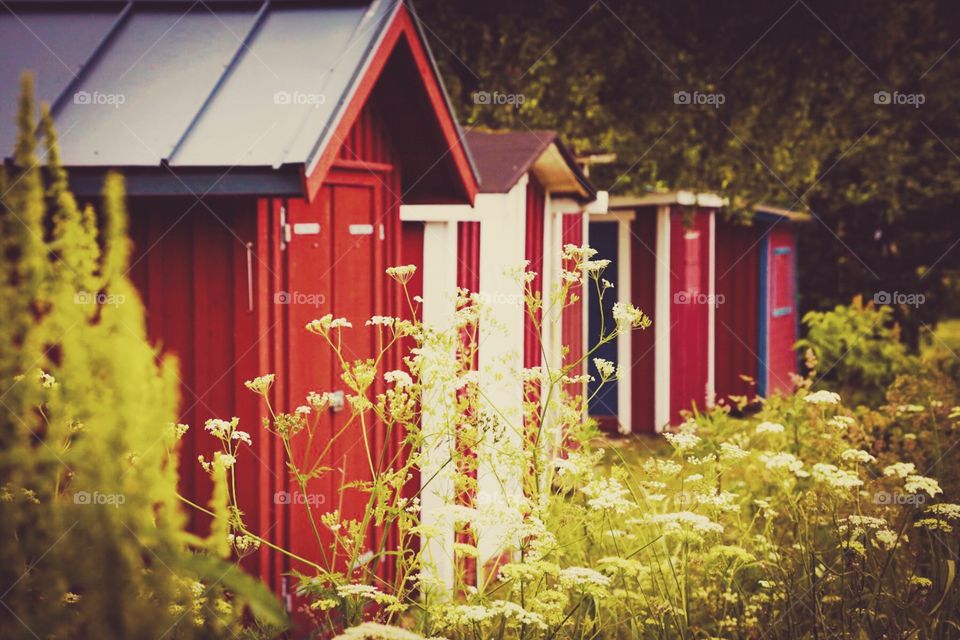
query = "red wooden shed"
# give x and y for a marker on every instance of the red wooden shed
(757, 324)
(723, 300)
(268, 146)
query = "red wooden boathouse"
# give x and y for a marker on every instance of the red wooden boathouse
(268, 146)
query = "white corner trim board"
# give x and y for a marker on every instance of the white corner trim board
(624, 340)
(661, 322)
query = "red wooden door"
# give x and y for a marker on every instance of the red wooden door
(334, 264)
(782, 314)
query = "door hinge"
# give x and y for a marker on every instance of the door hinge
(285, 230)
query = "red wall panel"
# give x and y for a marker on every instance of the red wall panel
(197, 278)
(534, 247)
(689, 312)
(572, 316)
(738, 263)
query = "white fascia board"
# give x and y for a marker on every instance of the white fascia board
(441, 212)
(711, 201)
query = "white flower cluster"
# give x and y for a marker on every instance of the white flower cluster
(769, 427)
(402, 273)
(836, 477)
(629, 317)
(224, 430)
(822, 397)
(322, 326)
(260, 384)
(784, 460)
(857, 455)
(683, 441)
(686, 520)
(900, 469)
(916, 484)
(608, 494)
(607, 370)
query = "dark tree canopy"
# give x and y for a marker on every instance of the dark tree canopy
(804, 121)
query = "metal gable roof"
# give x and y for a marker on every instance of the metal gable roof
(227, 84)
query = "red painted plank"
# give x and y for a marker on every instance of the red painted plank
(534, 247)
(689, 317)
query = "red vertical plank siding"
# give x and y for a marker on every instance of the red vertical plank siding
(571, 322)
(412, 253)
(468, 277)
(738, 263)
(782, 309)
(168, 256)
(468, 256)
(689, 317)
(532, 336)
(643, 281)
(534, 246)
(192, 271)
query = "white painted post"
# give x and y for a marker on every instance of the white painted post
(624, 340)
(439, 306)
(661, 324)
(711, 391)
(502, 234)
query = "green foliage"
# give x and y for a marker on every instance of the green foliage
(92, 539)
(857, 350)
(940, 346)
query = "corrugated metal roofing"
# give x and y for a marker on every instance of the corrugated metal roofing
(189, 84)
